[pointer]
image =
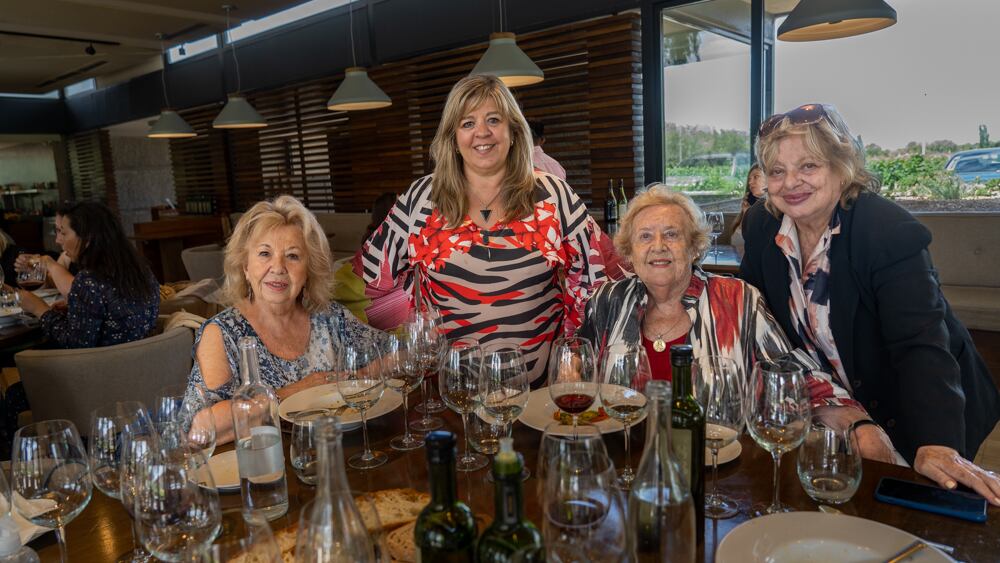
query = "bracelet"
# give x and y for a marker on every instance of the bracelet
(863, 422)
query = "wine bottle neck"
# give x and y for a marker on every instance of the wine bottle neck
(443, 483)
(681, 379)
(659, 440)
(508, 494)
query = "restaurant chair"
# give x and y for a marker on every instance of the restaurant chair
(71, 383)
(204, 262)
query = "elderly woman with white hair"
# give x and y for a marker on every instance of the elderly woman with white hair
(278, 277)
(671, 300)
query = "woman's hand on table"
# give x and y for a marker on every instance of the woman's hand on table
(32, 304)
(945, 466)
(312, 380)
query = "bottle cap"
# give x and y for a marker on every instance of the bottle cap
(681, 354)
(10, 540)
(440, 446)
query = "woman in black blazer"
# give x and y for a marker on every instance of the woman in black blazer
(848, 276)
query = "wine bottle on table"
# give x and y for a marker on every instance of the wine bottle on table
(510, 533)
(611, 209)
(661, 517)
(688, 430)
(622, 201)
(446, 529)
(259, 454)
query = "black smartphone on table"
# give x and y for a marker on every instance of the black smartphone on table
(929, 498)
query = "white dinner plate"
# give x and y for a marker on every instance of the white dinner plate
(726, 454)
(538, 415)
(327, 397)
(805, 537)
(225, 471)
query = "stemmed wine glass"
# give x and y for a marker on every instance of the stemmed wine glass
(361, 385)
(188, 408)
(503, 385)
(423, 329)
(572, 385)
(624, 371)
(431, 404)
(403, 374)
(49, 464)
(459, 387)
(107, 437)
(177, 510)
(718, 386)
(717, 221)
(139, 440)
(778, 415)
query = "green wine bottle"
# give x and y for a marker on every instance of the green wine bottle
(510, 533)
(687, 436)
(446, 529)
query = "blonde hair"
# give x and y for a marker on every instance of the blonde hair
(697, 230)
(829, 140)
(266, 216)
(517, 191)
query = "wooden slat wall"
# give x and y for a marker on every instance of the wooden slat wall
(91, 167)
(590, 102)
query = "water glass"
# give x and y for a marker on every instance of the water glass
(9, 297)
(829, 464)
(177, 509)
(777, 416)
(484, 432)
(50, 464)
(302, 449)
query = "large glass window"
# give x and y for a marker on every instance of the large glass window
(921, 94)
(706, 92)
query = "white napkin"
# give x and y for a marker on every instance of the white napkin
(25, 529)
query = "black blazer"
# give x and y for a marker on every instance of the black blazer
(910, 362)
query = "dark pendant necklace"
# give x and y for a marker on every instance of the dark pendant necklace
(486, 214)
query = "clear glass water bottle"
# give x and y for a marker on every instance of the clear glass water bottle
(331, 528)
(661, 515)
(259, 451)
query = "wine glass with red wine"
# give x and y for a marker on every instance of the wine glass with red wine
(33, 277)
(572, 383)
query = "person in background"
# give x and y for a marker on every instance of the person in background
(849, 278)
(755, 191)
(539, 159)
(8, 256)
(506, 254)
(277, 281)
(62, 271)
(382, 310)
(113, 299)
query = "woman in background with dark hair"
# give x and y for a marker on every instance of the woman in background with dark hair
(114, 297)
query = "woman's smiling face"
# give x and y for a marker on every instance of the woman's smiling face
(277, 265)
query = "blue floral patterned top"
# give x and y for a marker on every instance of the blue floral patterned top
(98, 315)
(333, 325)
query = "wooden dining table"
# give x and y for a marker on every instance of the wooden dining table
(101, 532)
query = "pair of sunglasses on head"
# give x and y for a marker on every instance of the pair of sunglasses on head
(808, 114)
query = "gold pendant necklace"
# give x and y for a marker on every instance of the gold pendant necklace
(660, 344)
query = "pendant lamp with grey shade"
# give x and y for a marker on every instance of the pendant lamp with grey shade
(170, 124)
(357, 91)
(817, 20)
(505, 60)
(238, 113)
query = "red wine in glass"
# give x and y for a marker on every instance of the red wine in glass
(574, 403)
(31, 285)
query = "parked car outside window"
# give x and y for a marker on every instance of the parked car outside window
(975, 166)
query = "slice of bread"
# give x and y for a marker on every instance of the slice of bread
(401, 545)
(395, 507)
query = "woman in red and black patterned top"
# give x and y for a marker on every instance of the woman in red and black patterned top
(506, 254)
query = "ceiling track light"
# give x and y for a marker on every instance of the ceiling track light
(817, 20)
(238, 113)
(357, 91)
